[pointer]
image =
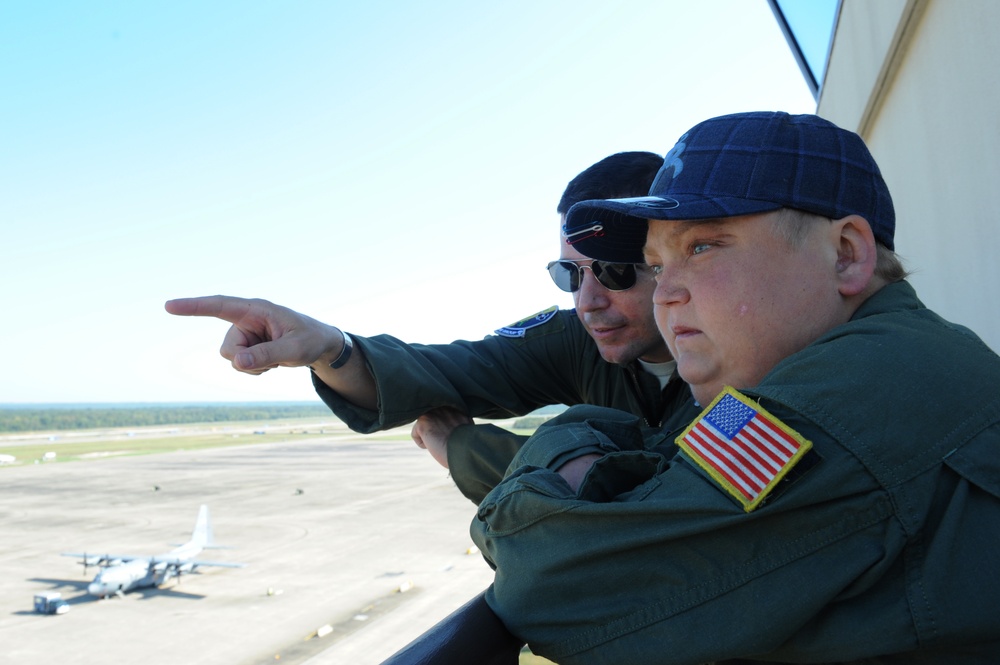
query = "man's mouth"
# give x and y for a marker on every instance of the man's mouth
(604, 329)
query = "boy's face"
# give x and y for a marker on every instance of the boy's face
(734, 297)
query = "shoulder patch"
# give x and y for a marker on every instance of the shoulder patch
(745, 449)
(517, 328)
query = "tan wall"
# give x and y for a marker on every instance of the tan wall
(919, 81)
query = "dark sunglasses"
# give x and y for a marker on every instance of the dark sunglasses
(568, 275)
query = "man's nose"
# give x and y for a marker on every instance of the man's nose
(592, 295)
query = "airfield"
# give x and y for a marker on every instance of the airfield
(353, 546)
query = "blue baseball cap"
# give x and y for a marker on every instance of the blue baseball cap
(742, 164)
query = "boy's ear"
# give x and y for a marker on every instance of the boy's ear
(856, 254)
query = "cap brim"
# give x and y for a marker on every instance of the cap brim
(615, 229)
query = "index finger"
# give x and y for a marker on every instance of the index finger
(227, 308)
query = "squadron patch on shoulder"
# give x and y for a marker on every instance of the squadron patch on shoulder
(742, 447)
(517, 328)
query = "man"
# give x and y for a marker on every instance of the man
(591, 356)
(839, 494)
(620, 321)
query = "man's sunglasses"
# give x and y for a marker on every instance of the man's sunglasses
(568, 275)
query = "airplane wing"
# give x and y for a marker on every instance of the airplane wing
(104, 559)
(191, 563)
(224, 564)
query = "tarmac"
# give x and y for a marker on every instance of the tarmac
(354, 545)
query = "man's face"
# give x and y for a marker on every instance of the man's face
(733, 297)
(620, 322)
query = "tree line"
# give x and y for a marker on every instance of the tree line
(29, 419)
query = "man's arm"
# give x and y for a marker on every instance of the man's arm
(494, 377)
(386, 383)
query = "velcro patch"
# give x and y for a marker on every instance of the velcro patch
(517, 328)
(742, 447)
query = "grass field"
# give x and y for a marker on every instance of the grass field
(90, 445)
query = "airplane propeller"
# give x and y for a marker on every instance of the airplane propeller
(89, 561)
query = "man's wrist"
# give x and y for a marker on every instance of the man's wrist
(345, 353)
(341, 359)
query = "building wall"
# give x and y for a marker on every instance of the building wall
(918, 80)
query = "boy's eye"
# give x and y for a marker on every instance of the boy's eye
(656, 270)
(700, 247)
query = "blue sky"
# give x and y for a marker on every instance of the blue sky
(382, 166)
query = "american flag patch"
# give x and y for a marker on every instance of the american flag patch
(743, 447)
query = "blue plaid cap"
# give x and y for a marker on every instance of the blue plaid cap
(743, 164)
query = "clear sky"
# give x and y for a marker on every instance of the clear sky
(385, 166)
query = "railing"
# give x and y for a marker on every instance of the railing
(470, 634)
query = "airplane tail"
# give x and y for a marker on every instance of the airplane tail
(202, 534)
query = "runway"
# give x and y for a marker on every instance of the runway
(330, 530)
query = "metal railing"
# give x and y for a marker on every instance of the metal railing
(470, 634)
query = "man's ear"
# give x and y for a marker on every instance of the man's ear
(856, 254)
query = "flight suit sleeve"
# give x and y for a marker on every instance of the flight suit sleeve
(496, 377)
(651, 561)
(478, 457)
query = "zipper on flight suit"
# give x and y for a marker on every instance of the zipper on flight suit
(639, 394)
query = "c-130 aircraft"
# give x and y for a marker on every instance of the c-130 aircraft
(123, 572)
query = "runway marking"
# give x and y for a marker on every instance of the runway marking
(314, 643)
